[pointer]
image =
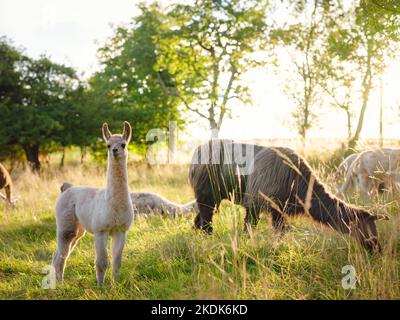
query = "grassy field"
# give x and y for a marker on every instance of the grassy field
(166, 259)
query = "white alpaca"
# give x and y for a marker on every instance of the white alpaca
(372, 169)
(147, 203)
(103, 212)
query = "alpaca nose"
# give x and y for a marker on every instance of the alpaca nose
(115, 150)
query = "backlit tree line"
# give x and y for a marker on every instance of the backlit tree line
(188, 60)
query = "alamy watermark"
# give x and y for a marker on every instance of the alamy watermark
(165, 149)
(49, 279)
(350, 278)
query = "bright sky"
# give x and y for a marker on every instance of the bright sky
(71, 31)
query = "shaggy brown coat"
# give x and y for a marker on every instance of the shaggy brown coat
(281, 182)
(284, 184)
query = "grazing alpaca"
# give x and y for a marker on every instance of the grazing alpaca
(216, 174)
(6, 183)
(103, 212)
(147, 203)
(283, 183)
(374, 170)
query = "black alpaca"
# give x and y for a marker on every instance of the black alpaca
(278, 181)
(282, 183)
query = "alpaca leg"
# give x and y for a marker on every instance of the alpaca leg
(363, 182)
(252, 218)
(8, 193)
(67, 229)
(118, 243)
(65, 237)
(278, 221)
(100, 243)
(3, 197)
(80, 233)
(203, 219)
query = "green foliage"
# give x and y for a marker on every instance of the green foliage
(338, 50)
(302, 37)
(363, 38)
(208, 47)
(43, 105)
(361, 31)
(11, 63)
(129, 85)
(192, 56)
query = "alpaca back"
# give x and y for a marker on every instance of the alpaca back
(83, 202)
(283, 176)
(219, 170)
(147, 202)
(378, 162)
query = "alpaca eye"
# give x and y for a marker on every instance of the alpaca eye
(123, 145)
(108, 146)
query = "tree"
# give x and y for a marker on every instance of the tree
(337, 77)
(338, 84)
(11, 63)
(338, 49)
(82, 117)
(32, 101)
(209, 45)
(364, 35)
(302, 37)
(128, 86)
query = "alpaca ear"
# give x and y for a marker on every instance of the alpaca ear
(380, 217)
(106, 132)
(127, 133)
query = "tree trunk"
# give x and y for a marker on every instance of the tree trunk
(348, 115)
(305, 123)
(213, 124)
(214, 97)
(303, 139)
(32, 156)
(62, 158)
(366, 84)
(353, 141)
(83, 154)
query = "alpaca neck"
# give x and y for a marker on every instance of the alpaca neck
(328, 209)
(117, 179)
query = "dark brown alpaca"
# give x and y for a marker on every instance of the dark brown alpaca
(284, 184)
(280, 182)
(6, 183)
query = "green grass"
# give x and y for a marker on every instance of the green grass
(166, 259)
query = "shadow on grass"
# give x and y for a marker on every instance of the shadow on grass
(45, 230)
